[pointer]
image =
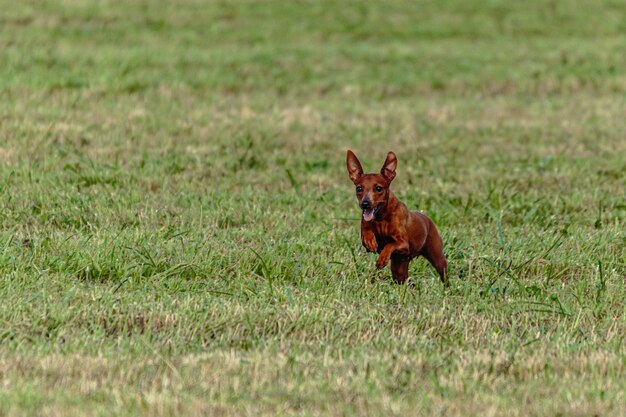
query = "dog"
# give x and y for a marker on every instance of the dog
(389, 228)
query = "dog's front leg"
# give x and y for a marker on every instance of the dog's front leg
(400, 247)
(368, 238)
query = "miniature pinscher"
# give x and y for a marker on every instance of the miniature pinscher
(389, 228)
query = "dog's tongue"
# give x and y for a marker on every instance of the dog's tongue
(368, 215)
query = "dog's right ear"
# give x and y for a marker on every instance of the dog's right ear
(354, 167)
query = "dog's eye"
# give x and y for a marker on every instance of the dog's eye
(359, 189)
(379, 189)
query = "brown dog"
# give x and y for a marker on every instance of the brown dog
(389, 228)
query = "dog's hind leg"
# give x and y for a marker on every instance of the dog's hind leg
(438, 261)
(434, 254)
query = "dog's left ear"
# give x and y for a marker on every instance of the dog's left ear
(389, 167)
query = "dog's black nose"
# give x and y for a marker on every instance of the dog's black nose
(365, 204)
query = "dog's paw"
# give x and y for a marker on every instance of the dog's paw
(370, 245)
(382, 262)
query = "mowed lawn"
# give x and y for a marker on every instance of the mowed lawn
(178, 234)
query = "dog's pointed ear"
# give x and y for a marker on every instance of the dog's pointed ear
(389, 167)
(354, 167)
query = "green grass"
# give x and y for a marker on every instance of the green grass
(179, 236)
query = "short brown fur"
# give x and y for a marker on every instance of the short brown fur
(395, 233)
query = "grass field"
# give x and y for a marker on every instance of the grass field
(178, 234)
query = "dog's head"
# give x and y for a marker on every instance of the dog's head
(372, 190)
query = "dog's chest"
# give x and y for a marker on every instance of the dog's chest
(382, 232)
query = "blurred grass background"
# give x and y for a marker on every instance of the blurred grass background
(179, 236)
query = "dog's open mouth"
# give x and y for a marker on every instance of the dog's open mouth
(369, 214)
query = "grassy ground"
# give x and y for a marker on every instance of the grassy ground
(179, 236)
